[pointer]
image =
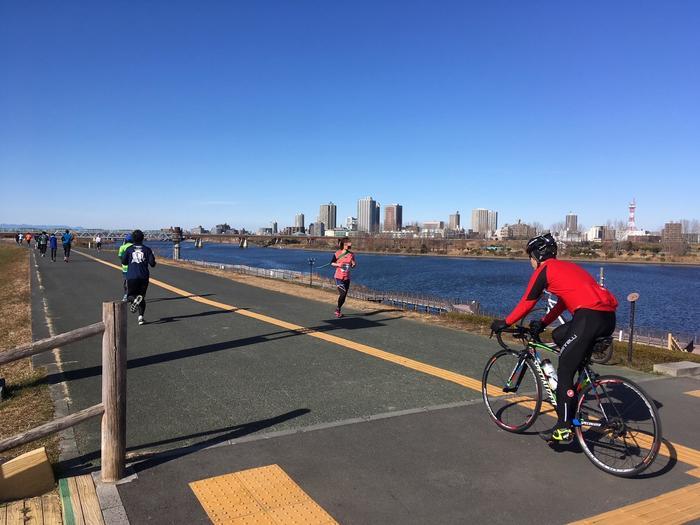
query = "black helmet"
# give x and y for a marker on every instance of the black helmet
(542, 247)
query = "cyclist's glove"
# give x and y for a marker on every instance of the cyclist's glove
(536, 327)
(498, 325)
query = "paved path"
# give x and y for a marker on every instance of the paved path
(368, 435)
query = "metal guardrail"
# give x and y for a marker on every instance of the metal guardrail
(427, 304)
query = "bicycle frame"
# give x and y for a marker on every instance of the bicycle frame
(586, 376)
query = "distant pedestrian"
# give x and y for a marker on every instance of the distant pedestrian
(138, 258)
(67, 240)
(98, 242)
(28, 238)
(343, 261)
(42, 241)
(18, 238)
(125, 267)
(53, 246)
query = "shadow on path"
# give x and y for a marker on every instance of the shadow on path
(329, 326)
(148, 459)
(179, 297)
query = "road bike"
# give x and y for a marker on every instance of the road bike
(616, 422)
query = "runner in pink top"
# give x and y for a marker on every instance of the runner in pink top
(343, 261)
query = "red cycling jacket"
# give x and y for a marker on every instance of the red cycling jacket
(574, 287)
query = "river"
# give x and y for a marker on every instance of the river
(668, 294)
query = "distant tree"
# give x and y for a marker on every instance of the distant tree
(690, 226)
(538, 226)
(557, 227)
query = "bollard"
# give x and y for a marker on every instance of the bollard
(632, 298)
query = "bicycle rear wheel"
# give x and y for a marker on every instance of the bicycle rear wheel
(512, 391)
(620, 428)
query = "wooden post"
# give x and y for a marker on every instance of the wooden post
(114, 390)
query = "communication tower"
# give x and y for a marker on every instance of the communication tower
(631, 225)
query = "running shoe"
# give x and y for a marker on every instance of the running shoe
(141, 320)
(135, 303)
(125, 298)
(338, 314)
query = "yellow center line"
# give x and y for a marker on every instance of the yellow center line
(694, 393)
(413, 364)
(682, 453)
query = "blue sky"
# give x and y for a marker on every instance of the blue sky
(150, 114)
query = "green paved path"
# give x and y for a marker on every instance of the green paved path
(199, 375)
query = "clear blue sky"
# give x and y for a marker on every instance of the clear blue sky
(150, 114)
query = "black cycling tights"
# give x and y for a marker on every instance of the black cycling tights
(575, 339)
(343, 287)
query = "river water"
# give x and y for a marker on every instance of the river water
(668, 294)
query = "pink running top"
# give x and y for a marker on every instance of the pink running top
(345, 259)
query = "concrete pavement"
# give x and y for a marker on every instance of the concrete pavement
(200, 376)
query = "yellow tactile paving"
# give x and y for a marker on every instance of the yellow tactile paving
(676, 507)
(694, 393)
(259, 496)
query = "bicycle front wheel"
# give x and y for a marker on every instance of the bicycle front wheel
(512, 391)
(620, 428)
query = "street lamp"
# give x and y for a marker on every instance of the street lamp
(312, 261)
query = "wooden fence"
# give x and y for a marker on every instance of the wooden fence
(113, 405)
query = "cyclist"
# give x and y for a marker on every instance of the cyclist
(343, 260)
(593, 308)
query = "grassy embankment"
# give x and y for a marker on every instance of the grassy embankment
(28, 402)
(644, 357)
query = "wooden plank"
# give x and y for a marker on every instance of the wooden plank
(51, 427)
(51, 507)
(114, 390)
(50, 343)
(88, 500)
(15, 513)
(26, 476)
(33, 512)
(75, 502)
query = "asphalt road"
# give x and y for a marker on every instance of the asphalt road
(371, 441)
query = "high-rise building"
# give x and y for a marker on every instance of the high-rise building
(351, 224)
(571, 222)
(299, 220)
(393, 217)
(273, 226)
(367, 215)
(328, 215)
(672, 232)
(455, 221)
(484, 221)
(377, 216)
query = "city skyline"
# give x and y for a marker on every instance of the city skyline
(249, 114)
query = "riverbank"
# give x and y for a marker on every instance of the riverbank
(27, 402)
(690, 261)
(644, 356)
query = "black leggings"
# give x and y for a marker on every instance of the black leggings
(343, 287)
(575, 339)
(137, 287)
(53, 254)
(66, 250)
